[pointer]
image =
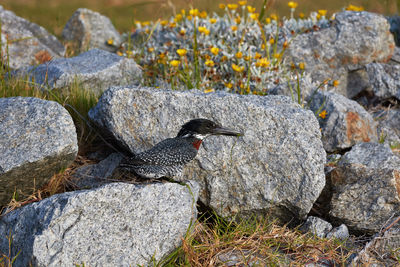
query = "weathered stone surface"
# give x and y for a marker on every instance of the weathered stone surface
(316, 226)
(382, 250)
(354, 39)
(91, 30)
(276, 167)
(340, 232)
(380, 80)
(346, 122)
(389, 126)
(37, 139)
(95, 70)
(95, 175)
(25, 43)
(366, 187)
(115, 225)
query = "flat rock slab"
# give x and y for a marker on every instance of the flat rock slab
(26, 43)
(346, 122)
(91, 30)
(114, 225)
(353, 40)
(366, 188)
(95, 70)
(37, 139)
(276, 167)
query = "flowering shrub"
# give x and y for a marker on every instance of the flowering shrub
(240, 51)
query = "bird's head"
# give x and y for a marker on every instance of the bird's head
(201, 128)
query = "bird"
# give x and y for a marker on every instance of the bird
(168, 157)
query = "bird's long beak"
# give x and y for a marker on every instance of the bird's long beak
(226, 131)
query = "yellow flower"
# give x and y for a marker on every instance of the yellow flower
(119, 53)
(301, 15)
(224, 58)
(164, 22)
(209, 63)
(247, 58)
(222, 6)
(194, 12)
(351, 7)
(302, 65)
(274, 17)
(257, 55)
(232, 6)
(268, 20)
(174, 63)
(181, 52)
(272, 41)
(189, 17)
(237, 68)
(203, 14)
(214, 50)
(172, 25)
(335, 83)
(212, 20)
(237, 20)
(182, 32)
(322, 114)
(263, 62)
(254, 16)
(292, 4)
(183, 12)
(233, 27)
(229, 85)
(285, 44)
(150, 49)
(178, 18)
(146, 23)
(209, 90)
(242, 3)
(239, 55)
(251, 9)
(202, 29)
(110, 41)
(322, 12)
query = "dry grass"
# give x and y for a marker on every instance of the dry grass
(53, 14)
(59, 183)
(254, 242)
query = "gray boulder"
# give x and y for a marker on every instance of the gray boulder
(379, 80)
(277, 167)
(365, 187)
(316, 226)
(114, 225)
(353, 40)
(341, 232)
(37, 139)
(389, 126)
(95, 70)
(25, 43)
(95, 175)
(91, 30)
(346, 122)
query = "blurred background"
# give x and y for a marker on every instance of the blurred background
(53, 14)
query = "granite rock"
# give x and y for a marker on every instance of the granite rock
(95, 70)
(27, 43)
(277, 167)
(90, 30)
(117, 224)
(37, 140)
